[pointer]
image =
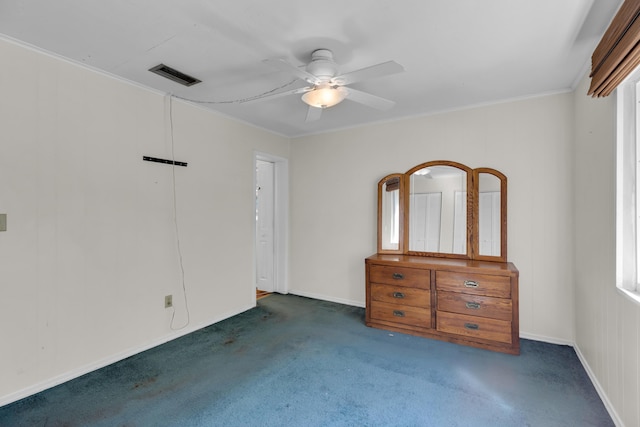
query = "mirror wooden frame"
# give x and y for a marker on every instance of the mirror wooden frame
(473, 212)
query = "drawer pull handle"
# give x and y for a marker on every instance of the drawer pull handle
(473, 326)
(398, 295)
(398, 313)
(398, 276)
(471, 283)
(473, 305)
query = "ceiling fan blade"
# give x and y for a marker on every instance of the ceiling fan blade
(283, 65)
(369, 100)
(379, 70)
(313, 114)
(278, 95)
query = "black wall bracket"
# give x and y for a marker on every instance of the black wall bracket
(165, 161)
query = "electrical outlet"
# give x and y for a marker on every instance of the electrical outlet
(168, 301)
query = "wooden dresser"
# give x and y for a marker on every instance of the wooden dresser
(441, 270)
(462, 301)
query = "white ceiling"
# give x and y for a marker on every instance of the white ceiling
(456, 53)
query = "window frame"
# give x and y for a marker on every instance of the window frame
(628, 186)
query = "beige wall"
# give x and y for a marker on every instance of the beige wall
(607, 323)
(334, 184)
(90, 250)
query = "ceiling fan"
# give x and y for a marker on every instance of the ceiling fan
(328, 88)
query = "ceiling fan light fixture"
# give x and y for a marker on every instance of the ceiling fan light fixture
(325, 96)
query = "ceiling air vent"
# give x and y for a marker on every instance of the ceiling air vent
(175, 75)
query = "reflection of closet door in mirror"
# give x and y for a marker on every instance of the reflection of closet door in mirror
(390, 218)
(491, 211)
(438, 209)
(424, 228)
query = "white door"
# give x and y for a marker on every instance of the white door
(265, 214)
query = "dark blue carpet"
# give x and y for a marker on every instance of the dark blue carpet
(295, 361)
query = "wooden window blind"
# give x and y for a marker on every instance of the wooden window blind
(618, 53)
(393, 184)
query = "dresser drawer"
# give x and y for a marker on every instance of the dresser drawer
(415, 297)
(474, 305)
(471, 283)
(400, 276)
(398, 313)
(474, 326)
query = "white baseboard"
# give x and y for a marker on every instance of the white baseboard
(603, 396)
(327, 298)
(543, 338)
(90, 367)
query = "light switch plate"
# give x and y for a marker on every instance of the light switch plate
(3, 222)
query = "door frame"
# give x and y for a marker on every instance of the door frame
(281, 221)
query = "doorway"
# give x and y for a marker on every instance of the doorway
(265, 213)
(271, 223)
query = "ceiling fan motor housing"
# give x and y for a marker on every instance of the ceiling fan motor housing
(322, 64)
(327, 87)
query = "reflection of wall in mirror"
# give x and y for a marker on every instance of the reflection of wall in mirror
(450, 221)
(488, 182)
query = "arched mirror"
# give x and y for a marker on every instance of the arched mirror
(438, 209)
(490, 212)
(390, 220)
(444, 209)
